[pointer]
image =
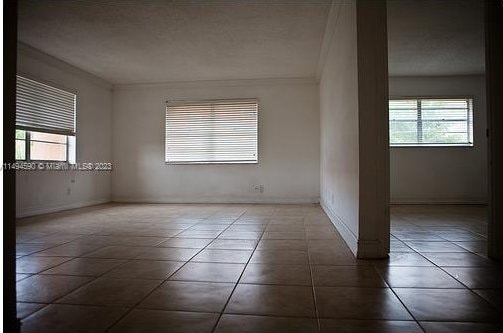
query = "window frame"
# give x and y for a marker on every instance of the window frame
(434, 145)
(28, 130)
(27, 146)
(212, 101)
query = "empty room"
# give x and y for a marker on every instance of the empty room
(252, 166)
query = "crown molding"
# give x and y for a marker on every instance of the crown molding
(29, 51)
(333, 18)
(218, 83)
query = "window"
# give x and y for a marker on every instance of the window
(45, 122)
(431, 122)
(223, 131)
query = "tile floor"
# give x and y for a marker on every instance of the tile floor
(255, 268)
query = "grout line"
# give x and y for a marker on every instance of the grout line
(400, 300)
(240, 276)
(434, 265)
(313, 291)
(443, 269)
(179, 268)
(251, 315)
(94, 278)
(100, 247)
(51, 247)
(264, 230)
(472, 290)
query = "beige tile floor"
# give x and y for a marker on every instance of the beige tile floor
(252, 268)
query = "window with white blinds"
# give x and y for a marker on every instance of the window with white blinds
(431, 122)
(45, 122)
(218, 131)
(40, 107)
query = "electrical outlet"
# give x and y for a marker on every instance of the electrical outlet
(68, 191)
(258, 188)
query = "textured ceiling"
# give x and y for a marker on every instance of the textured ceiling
(126, 41)
(147, 41)
(436, 37)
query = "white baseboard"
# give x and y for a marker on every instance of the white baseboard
(362, 249)
(32, 211)
(437, 201)
(217, 200)
(371, 249)
(347, 234)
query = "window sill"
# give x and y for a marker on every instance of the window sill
(433, 146)
(211, 163)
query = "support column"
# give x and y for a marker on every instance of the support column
(494, 79)
(374, 218)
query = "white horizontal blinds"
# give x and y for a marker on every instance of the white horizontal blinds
(44, 108)
(447, 121)
(212, 132)
(431, 121)
(403, 121)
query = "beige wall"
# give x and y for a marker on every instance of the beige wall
(442, 174)
(354, 129)
(39, 192)
(288, 145)
(373, 129)
(339, 175)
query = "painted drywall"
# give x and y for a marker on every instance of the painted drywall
(431, 37)
(443, 174)
(288, 165)
(39, 192)
(354, 129)
(373, 131)
(339, 169)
